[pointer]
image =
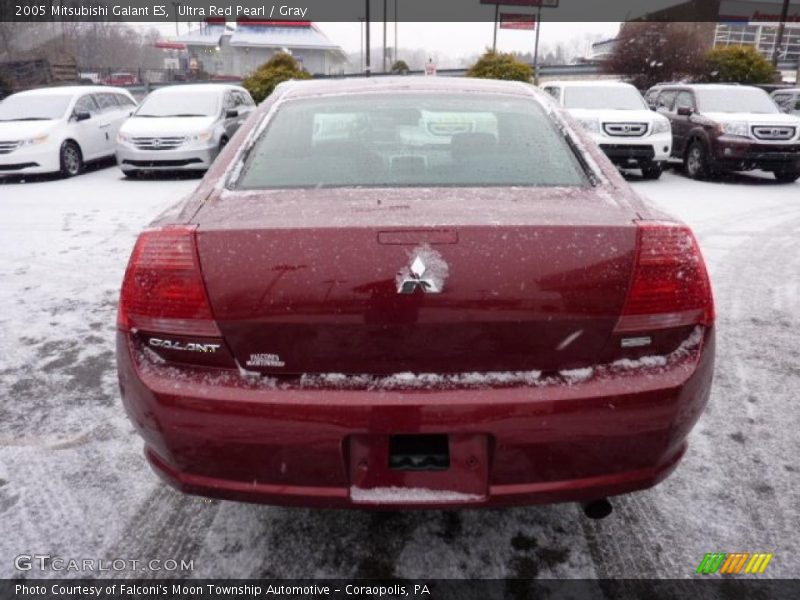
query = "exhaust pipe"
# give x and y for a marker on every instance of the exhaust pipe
(597, 509)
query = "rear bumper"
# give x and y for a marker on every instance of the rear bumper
(192, 159)
(554, 443)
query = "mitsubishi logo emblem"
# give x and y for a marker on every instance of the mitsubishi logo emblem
(427, 272)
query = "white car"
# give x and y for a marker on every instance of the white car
(788, 100)
(616, 116)
(60, 129)
(182, 127)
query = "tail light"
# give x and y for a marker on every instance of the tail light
(163, 289)
(670, 286)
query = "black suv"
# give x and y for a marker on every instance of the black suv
(717, 127)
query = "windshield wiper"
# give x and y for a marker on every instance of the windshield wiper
(189, 115)
(150, 116)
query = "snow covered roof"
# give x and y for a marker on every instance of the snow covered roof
(271, 36)
(260, 35)
(206, 35)
(590, 83)
(63, 90)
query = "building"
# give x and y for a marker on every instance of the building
(224, 51)
(763, 36)
(602, 50)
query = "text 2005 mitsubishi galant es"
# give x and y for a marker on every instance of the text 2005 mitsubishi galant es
(414, 292)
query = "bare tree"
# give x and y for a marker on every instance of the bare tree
(646, 53)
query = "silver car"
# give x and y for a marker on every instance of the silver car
(181, 127)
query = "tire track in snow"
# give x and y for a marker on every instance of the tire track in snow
(737, 488)
(167, 525)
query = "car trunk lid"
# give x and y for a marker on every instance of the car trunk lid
(444, 280)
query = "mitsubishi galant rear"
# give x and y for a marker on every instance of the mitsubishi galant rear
(415, 292)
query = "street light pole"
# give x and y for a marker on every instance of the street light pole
(536, 46)
(361, 42)
(384, 36)
(366, 35)
(175, 5)
(781, 30)
(494, 39)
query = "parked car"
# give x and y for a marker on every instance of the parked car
(494, 319)
(60, 129)
(722, 127)
(616, 117)
(651, 95)
(787, 100)
(182, 127)
(121, 79)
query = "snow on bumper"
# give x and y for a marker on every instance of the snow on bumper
(656, 147)
(621, 429)
(34, 159)
(131, 159)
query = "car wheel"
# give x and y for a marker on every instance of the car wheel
(652, 170)
(222, 143)
(787, 175)
(71, 159)
(696, 161)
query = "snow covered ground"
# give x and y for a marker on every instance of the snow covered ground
(74, 483)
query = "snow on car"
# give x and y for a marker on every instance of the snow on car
(496, 320)
(616, 117)
(60, 129)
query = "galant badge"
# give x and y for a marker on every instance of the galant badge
(427, 272)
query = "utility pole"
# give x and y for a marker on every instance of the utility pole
(536, 46)
(781, 29)
(496, 16)
(361, 41)
(395, 30)
(175, 5)
(384, 35)
(367, 65)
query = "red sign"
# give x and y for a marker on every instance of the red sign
(271, 23)
(542, 3)
(517, 21)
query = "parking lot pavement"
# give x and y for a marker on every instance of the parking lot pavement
(74, 484)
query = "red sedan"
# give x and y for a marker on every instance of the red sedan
(414, 292)
(121, 79)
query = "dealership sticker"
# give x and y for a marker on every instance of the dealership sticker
(265, 360)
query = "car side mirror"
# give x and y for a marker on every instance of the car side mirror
(231, 114)
(685, 111)
(82, 115)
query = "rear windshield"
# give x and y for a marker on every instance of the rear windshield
(735, 100)
(406, 139)
(605, 96)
